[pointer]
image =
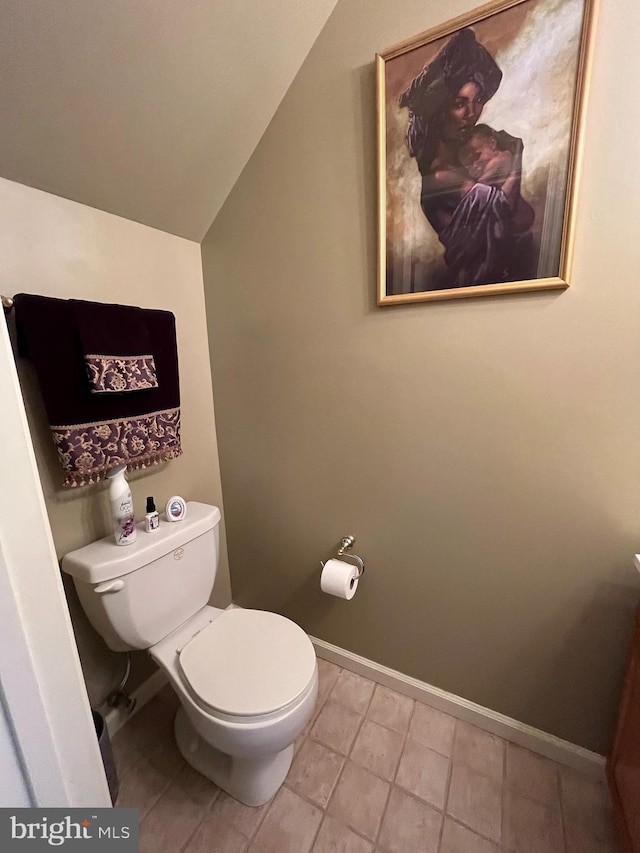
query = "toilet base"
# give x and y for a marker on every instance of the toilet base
(252, 781)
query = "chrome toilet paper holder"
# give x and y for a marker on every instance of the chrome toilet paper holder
(346, 543)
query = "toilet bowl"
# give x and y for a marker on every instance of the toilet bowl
(247, 680)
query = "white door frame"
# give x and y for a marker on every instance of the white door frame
(41, 682)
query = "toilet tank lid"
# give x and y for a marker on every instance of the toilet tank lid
(104, 560)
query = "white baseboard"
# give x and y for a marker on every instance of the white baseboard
(538, 741)
(512, 730)
(115, 718)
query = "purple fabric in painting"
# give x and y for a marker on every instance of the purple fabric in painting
(478, 240)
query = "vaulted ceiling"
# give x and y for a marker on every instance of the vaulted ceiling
(148, 109)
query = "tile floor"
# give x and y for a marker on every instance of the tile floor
(374, 771)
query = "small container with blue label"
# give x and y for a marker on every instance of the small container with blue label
(176, 508)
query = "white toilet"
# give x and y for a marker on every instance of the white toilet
(247, 679)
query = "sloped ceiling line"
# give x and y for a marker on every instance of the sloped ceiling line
(146, 110)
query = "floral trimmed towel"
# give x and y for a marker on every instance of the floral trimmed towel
(116, 348)
(93, 432)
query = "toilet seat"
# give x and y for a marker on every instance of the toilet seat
(248, 663)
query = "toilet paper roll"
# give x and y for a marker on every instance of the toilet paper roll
(339, 579)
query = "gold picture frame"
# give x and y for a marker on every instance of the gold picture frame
(470, 207)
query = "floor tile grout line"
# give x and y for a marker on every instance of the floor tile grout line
(475, 831)
(170, 782)
(307, 737)
(127, 769)
(261, 820)
(226, 822)
(317, 832)
(207, 812)
(348, 755)
(557, 806)
(323, 810)
(447, 786)
(155, 802)
(311, 723)
(503, 796)
(561, 807)
(345, 760)
(451, 758)
(325, 813)
(316, 739)
(306, 797)
(141, 756)
(418, 798)
(203, 817)
(471, 829)
(323, 701)
(390, 781)
(365, 718)
(404, 743)
(393, 781)
(215, 799)
(486, 776)
(315, 715)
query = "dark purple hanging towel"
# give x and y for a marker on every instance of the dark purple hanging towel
(115, 346)
(93, 432)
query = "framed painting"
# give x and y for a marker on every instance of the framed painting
(479, 139)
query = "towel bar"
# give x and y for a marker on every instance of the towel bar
(7, 303)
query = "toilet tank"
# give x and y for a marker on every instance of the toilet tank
(135, 595)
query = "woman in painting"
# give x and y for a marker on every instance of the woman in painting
(470, 173)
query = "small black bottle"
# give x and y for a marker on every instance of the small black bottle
(151, 518)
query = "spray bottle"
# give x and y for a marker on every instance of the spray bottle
(124, 523)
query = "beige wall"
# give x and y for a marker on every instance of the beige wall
(483, 452)
(56, 247)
